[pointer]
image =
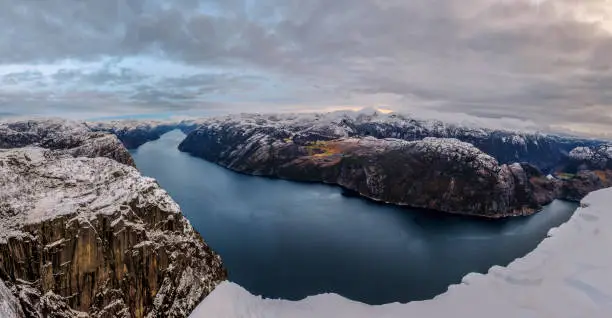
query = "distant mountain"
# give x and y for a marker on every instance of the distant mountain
(545, 151)
(444, 174)
(269, 144)
(586, 169)
(542, 150)
(135, 133)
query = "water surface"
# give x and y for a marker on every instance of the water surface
(283, 239)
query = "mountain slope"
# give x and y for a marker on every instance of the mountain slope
(436, 173)
(544, 151)
(91, 236)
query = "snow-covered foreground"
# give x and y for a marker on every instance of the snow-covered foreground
(568, 275)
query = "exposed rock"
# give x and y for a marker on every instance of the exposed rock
(86, 236)
(587, 169)
(93, 235)
(576, 187)
(544, 151)
(589, 158)
(265, 144)
(533, 186)
(63, 136)
(442, 174)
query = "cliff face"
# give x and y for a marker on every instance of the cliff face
(441, 174)
(63, 136)
(90, 236)
(585, 170)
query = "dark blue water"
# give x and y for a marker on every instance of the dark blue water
(283, 239)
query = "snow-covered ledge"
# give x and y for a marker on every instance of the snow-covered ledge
(568, 275)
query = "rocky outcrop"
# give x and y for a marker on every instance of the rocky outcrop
(441, 174)
(585, 170)
(589, 158)
(576, 187)
(63, 136)
(88, 236)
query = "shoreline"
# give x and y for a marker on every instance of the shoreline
(555, 279)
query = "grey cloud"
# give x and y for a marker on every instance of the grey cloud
(480, 57)
(64, 75)
(79, 104)
(185, 90)
(195, 88)
(103, 76)
(22, 77)
(153, 95)
(207, 83)
(86, 29)
(122, 76)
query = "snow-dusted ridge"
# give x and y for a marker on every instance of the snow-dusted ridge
(437, 173)
(507, 146)
(84, 234)
(568, 275)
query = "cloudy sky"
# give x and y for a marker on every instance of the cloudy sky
(532, 63)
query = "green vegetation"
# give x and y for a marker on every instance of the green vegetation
(323, 149)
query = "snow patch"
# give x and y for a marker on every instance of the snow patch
(9, 305)
(568, 275)
(581, 153)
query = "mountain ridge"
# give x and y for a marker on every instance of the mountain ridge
(322, 148)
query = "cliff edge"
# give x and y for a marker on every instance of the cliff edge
(83, 234)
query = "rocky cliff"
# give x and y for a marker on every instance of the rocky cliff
(589, 158)
(84, 235)
(435, 173)
(585, 170)
(63, 136)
